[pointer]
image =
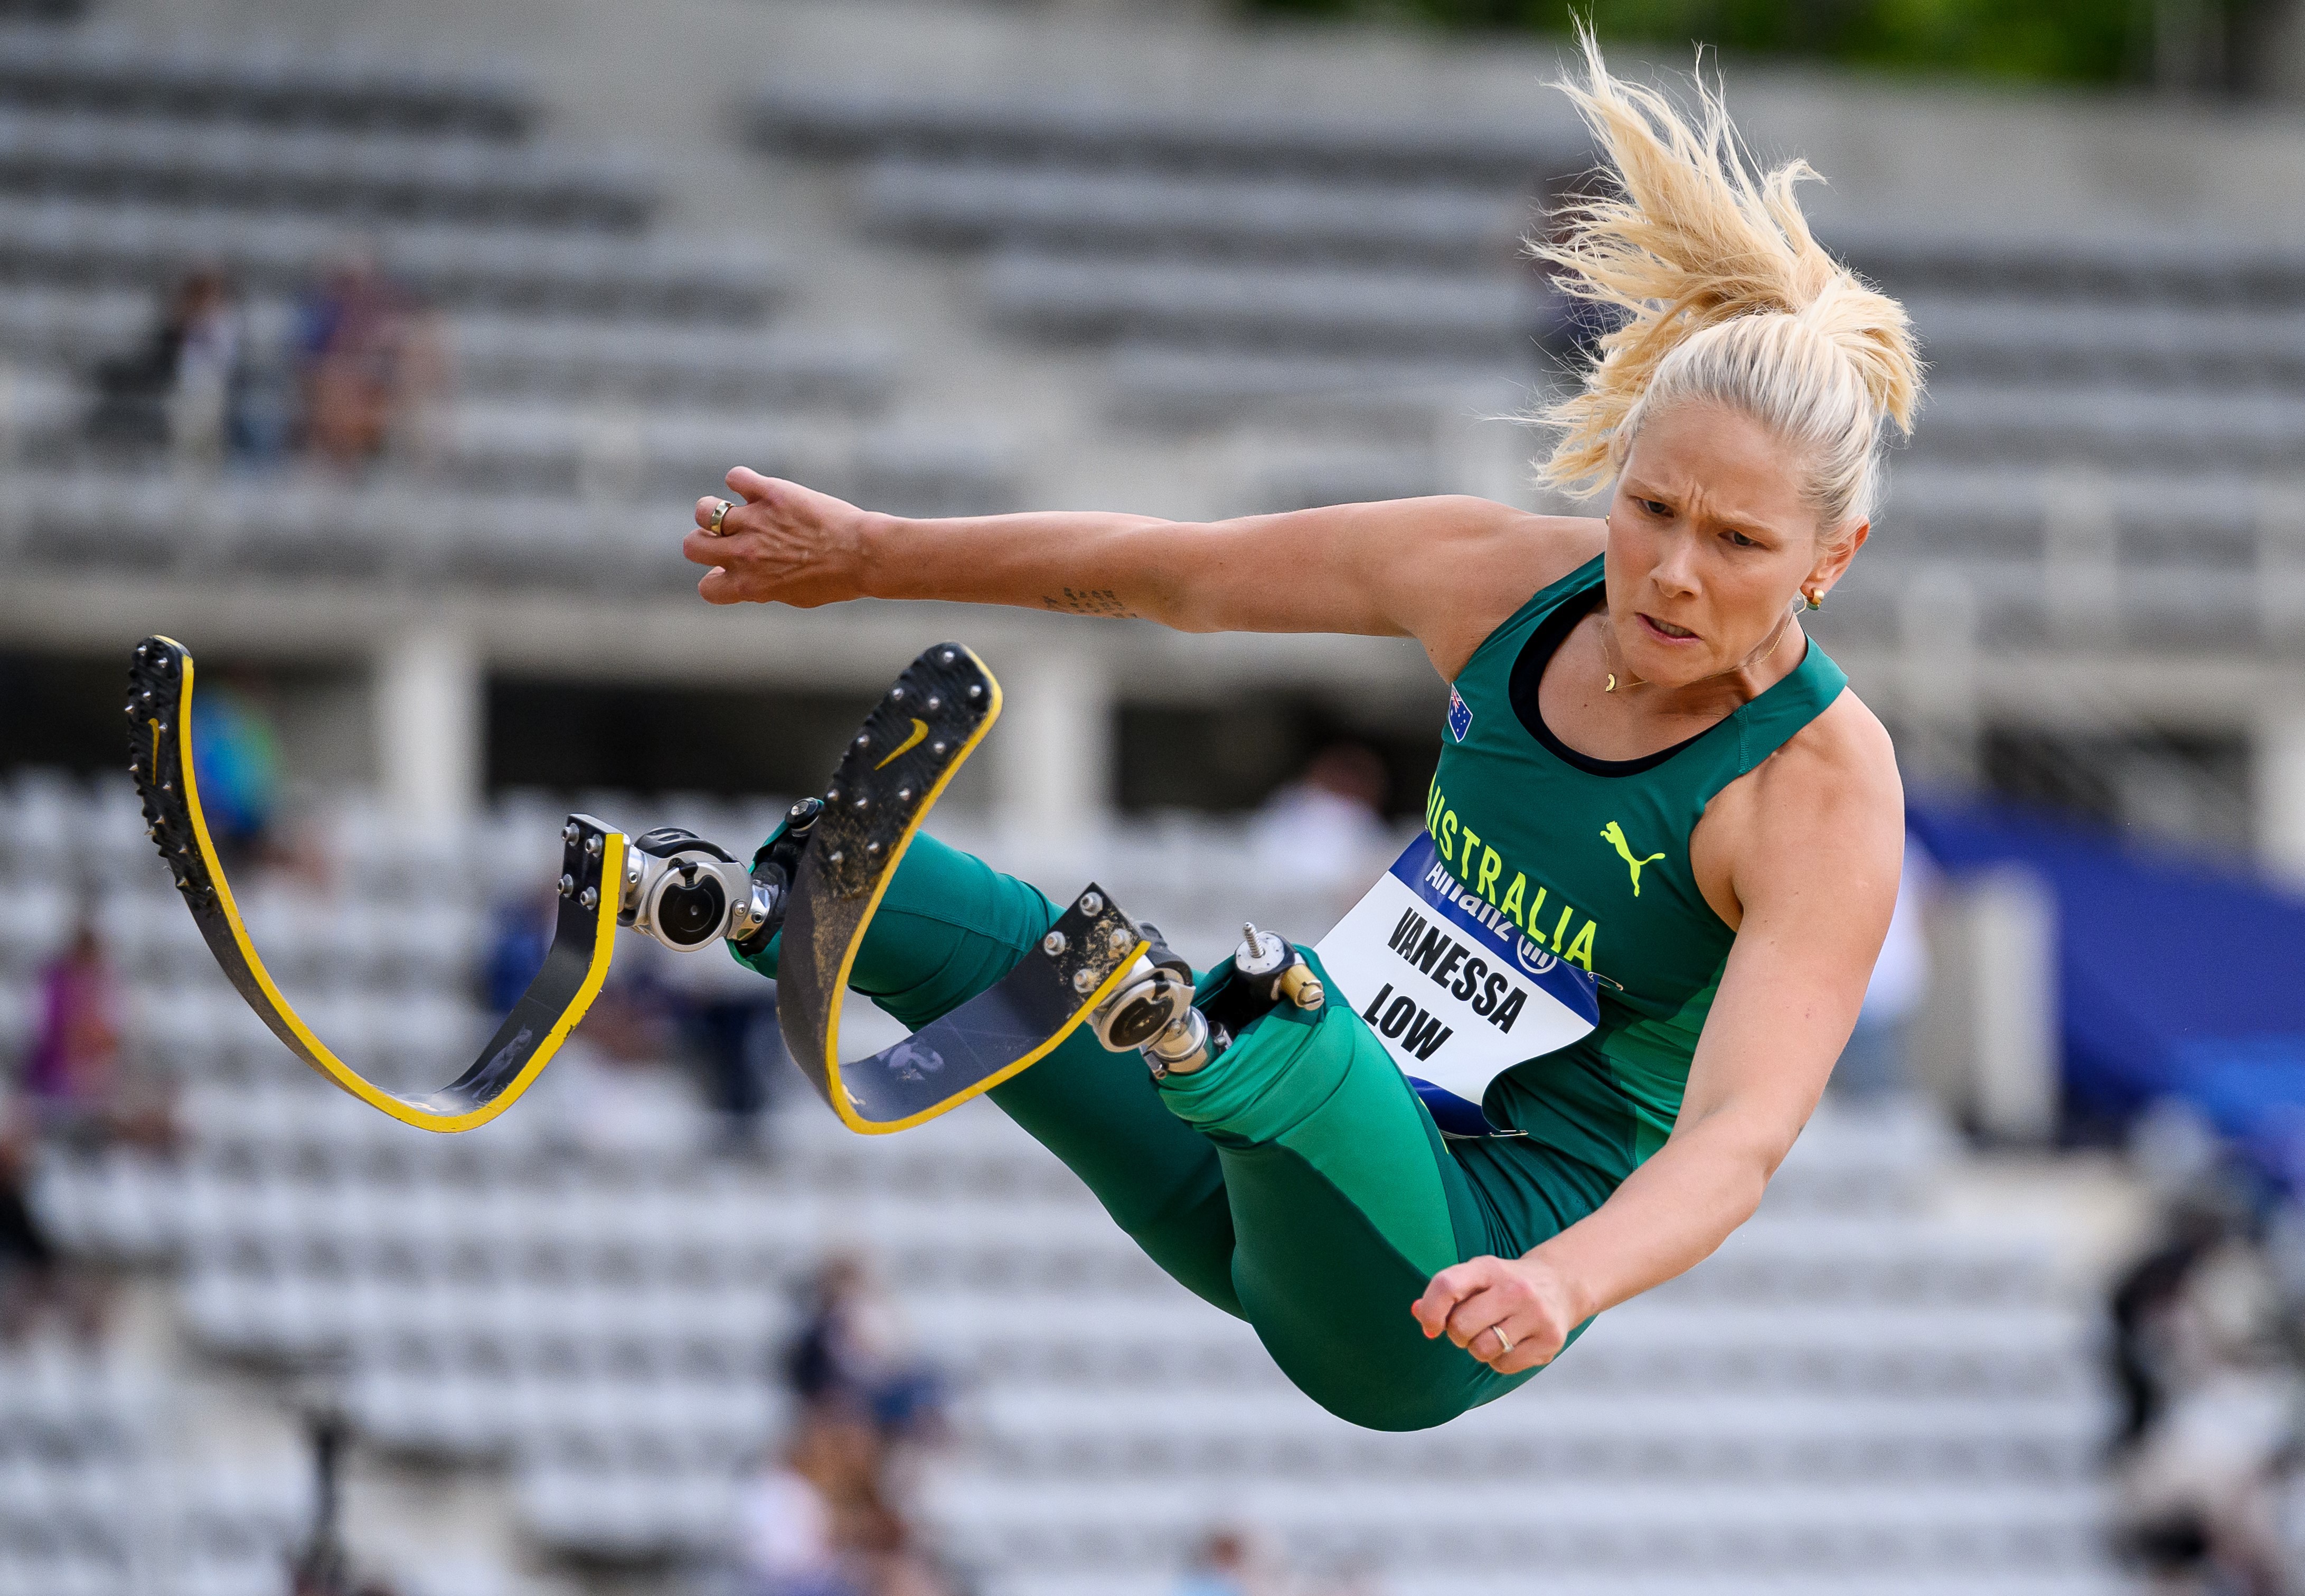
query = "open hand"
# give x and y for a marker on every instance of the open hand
(1511, 1313)
(780, 542)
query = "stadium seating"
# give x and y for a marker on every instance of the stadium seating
(260, 81)
(563, 323)
(1346, 283)
(1856, 1394)
(1851, 1396)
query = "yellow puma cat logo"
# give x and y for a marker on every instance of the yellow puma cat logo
(1613, 835)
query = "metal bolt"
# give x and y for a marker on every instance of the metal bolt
(1092, 903)
(864, 740)
(833, 858)
(861, 801)
(976, 689)
(130, 711)
(947, 657)
(588, 898)
(872, 848)
(934, 704)
(592, 846)
(1122, 939)
(904, 795)
(568, 833)
(1053, 943)
(167, 787)
(567, 885)
(797, 810)
(832, 794)
(897, 694)
(1084, 980)
(936, 747)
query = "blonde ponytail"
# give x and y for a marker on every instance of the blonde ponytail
(1724, 296)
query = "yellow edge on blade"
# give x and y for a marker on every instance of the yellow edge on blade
(314, 1051)
(839, 1095)
(1088, 1006)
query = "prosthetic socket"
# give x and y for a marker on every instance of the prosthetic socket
(1152, 1011)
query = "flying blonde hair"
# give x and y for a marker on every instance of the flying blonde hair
(1726, 296)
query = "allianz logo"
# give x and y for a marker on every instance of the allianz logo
(1528, 952)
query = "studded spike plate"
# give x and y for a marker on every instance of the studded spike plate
(894, 771)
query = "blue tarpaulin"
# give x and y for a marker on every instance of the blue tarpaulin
(2174, 979)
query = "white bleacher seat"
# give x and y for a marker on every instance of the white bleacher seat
(1130, 211)
(1324, 308)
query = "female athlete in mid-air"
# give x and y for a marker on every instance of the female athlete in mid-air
(1648, 768)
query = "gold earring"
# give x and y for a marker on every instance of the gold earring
(1814, 602)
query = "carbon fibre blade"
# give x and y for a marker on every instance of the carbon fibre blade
(160, 680)
(898, 764)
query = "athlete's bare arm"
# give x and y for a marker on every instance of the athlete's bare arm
(1801, 856)
(1442, 570)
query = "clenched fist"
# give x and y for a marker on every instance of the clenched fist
(783, 544)
(1511, 1313)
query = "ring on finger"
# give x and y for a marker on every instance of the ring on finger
(720, 508)
(1504, 1344)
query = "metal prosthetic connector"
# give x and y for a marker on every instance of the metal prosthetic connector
(1274, 971)
(1152, 1013)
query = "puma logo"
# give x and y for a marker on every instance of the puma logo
(1613, 835)
(920, 730)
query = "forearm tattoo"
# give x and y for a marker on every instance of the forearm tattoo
(1094, 600)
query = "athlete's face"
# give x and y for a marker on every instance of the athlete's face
(1711, 544)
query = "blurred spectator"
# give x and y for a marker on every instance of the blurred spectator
(736, 1037)
(237, 763)
(522, 934)
(851, 1357)
(72, 1074)
(1222, 1565)
(34, 1278)
(367, 362)
(819, 1524)
(1874, 1060)
(788, 1538)
(1326, 830)
(784, 1537)
(2209, 1427)
(176, 389)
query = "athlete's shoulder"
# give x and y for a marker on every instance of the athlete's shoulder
(1835, 782)
(1484, 561)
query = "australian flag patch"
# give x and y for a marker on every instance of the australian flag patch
(1460, 716)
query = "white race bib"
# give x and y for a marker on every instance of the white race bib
(1455, 991)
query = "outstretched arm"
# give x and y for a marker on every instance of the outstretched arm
(1816, 867)
(1430, 568)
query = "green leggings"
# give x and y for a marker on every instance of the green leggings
(1296, 1182)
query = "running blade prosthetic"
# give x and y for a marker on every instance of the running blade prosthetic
(893, 772)
(592, 865)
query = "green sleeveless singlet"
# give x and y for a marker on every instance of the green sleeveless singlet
(1591, 857)
(1298, 1181)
